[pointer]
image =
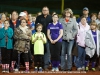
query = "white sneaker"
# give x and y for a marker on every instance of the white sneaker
(57, 69)
(3, 71)
(53, 69)
(7, 70)
(79, 69)
(83, 68)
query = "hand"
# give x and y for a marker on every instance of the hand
(52, 41)
(55, 41)
(37, 37)
(41, 37)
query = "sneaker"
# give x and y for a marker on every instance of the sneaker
(35, 69)
(93, 69)
(40, 69)
(53, 69)
(83, 68)
(56, 69)
(16, 70)
(87, 69)
(26, 71)
(3, 71)
(7, 70)
(79, 69)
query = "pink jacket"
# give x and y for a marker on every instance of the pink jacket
(81, 34)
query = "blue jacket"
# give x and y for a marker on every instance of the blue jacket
(12, 25)
(9, 34)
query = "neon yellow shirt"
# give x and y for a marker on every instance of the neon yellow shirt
(39, 44)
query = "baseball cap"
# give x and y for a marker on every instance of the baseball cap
(22, 14)
(85, 8)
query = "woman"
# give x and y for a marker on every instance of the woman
(83, 28)
(54, 33)
(22, 35)
(69, 31)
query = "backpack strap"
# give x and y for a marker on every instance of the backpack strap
(79, 26)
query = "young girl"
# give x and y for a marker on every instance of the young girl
(23, 35)
(38, 39)
(54, 33)
(92, 45)
(6, 35)
(82, 29)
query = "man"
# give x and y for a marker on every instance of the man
(45, 19)
(85, 13)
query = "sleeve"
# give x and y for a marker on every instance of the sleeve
(10, 33)
(88, 42)
(2, 34)
(37, 20)
(78, 20)
(48, 27)
(60, 26)
(33, 25)
(75, 28)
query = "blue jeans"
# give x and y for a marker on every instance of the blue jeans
(47, 56)
(80, 60)
(66, 48)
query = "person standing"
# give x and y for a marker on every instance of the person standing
(86, 14)
(82, 29)
(98, 18)
(38, 39)
(70, 30)
(14, 22)
(22, 34)
(92, 42)
(54, 33)
(45, 19)
(6, 34)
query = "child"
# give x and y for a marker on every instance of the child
(23, 35)
(82, 29)
(38, 39)
(6, 35)
(92, 45)
(54, 33)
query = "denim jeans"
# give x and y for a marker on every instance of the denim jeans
(80, 60)
(66, 48)
(47, 56)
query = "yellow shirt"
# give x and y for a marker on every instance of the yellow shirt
(39, 44)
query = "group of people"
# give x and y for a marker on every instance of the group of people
(50, 40)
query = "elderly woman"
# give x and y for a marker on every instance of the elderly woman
(70, 29)
(22, 35)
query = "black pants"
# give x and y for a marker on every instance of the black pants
(5, 54)
(93, 59)
(38, 60)
(24, 56)
(55, 50)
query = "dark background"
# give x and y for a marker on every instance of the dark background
(34, 6)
